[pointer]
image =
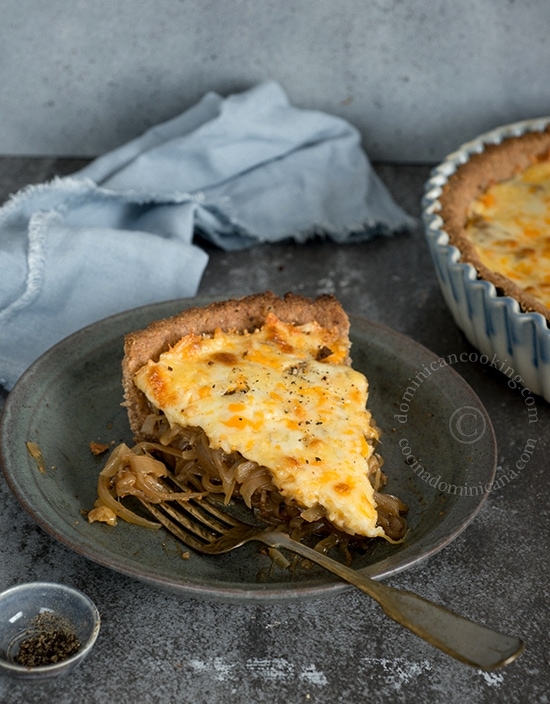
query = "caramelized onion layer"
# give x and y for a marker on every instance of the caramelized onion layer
(185, 452)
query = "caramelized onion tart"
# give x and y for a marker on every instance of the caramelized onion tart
(255, 400)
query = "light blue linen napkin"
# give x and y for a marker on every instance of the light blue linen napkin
(240, 170)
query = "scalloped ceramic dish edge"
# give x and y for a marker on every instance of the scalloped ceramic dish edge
(515, 341)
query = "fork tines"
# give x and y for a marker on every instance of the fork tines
(194, 521)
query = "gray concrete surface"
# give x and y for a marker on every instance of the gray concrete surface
(417, 78)
(160, 648)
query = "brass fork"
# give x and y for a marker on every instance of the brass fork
(206, 528)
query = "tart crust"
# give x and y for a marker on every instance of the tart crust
(498, 162)
(246, 313)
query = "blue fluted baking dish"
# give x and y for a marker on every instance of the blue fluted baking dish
(514, 341)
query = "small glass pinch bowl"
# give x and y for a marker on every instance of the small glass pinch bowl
(46, 629)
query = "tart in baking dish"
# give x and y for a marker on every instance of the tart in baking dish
(496, 211)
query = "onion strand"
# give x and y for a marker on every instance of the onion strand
(144, 470)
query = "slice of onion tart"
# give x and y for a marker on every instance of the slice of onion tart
(270, 411)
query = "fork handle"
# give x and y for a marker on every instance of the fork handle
(455, 635)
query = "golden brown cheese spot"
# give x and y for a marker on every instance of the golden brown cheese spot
(282, 344)
(159, 382)
(224, 358)
(291, 462)
(268, 396)
(244, 423)
(314, 443)
(342, 488)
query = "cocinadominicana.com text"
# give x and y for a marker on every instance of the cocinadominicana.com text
(436, 482)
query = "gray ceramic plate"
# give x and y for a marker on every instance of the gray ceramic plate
(438, 445)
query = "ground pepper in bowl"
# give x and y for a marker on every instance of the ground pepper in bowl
(50, 639)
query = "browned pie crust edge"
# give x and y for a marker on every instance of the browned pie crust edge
(246, 313)
(497, 162)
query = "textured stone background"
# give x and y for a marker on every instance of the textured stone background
(417, 78)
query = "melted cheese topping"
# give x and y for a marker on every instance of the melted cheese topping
(285, 398)
(510, 228)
